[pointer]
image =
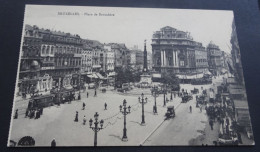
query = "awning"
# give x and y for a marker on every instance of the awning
(241, 104)
(92, 76)
(99, 75)
(209, 73)
(95, 76)
(231, 80)
(237, 91)
(111, 74)
(194, 76)
(224, 70)
(157, 75)
(96, 66)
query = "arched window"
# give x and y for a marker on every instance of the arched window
(60, 49)
(52, 52)
(47, 50)
(64, 49)
(56, 49)
(43, 50)
(67, 49)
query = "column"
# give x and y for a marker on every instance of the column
(176, 58)
(164, 58)
(161, 58)
(173, 58)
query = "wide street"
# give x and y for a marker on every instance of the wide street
(186, 126)
(58, 121)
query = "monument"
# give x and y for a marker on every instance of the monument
(146, 78)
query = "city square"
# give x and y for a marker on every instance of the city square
(174, 90)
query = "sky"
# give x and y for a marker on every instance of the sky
(133, 25)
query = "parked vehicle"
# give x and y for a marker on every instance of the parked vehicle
(126, 86)
(186, 97)
(195, 91)
(41, 102)
(103, 87)
(91, 86)
(170, 112)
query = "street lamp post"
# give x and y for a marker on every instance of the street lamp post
(171, 95)
(96, 128)
(124, 112)
(155, 94)
(143, 118)
(164, 93)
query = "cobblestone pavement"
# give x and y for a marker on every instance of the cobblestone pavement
(58, 121)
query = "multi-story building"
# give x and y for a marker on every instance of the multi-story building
(139, 59)
(49, 56)
(149, 61)
(98, 55)
(110, 59)
(214, 58)
(201, 58)
(132, 58)
(83, 61)
(174, 51)
(236, 56)
(120, 55)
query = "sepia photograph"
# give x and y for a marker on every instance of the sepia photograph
(121, 76)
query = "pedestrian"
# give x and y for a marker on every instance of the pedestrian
(16, 114)
(87, 94)
(211, 124)
(95, 94)
(190, 109)
(227, 121)
(84, 120)
(26, 113)
(53, 143)
(76, 117)
(79, 96)
(41, 111)
(105, 106)
(83, 106)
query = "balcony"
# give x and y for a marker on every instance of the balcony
(77, 55)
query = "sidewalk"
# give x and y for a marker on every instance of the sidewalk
(57, 122)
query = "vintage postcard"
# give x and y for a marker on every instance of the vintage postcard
(110, 76)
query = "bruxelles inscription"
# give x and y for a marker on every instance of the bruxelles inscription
(84, 14)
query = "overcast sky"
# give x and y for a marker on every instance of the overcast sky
(133, 25)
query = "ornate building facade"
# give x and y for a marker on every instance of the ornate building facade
(47, 56)
(215, 58)
(176, 51)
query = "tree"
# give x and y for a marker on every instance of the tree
(126, 75)
(171, 81)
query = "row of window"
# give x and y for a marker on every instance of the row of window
(202, 60)
(67, 62)
(50, 49)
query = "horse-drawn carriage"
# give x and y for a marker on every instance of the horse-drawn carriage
(201, 99)
(195, 91)
(170, 112)
(186, 97)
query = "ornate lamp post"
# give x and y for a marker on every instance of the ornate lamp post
(124, 112)
(96, 128)
(171, 95)
(155, 95)
(164, 93)
(143, 121)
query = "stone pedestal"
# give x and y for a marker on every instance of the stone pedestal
(146, 79)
